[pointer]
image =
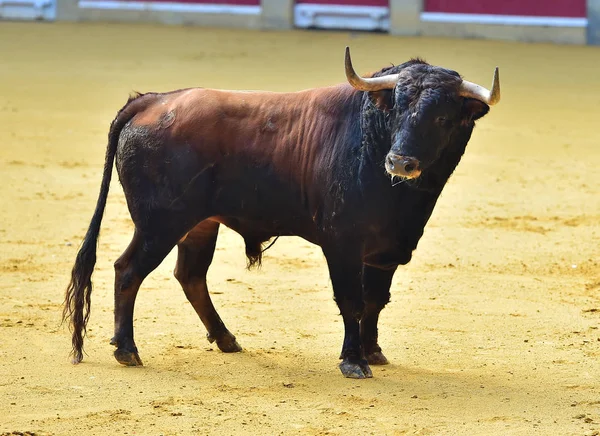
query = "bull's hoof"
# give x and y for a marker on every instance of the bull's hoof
(377, 358)
(123, 353)
(359, 369)
(229, 347)
(128, 358)
(226, 343)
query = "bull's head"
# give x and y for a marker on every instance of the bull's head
(427, 106)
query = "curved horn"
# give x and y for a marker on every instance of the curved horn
(472, 90)
(369, 84)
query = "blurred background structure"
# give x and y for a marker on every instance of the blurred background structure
(559, 21)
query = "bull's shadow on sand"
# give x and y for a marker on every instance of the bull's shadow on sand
(411, 394)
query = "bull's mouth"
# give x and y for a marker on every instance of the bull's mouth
(405, 167)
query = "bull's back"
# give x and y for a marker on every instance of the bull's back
(239, 154)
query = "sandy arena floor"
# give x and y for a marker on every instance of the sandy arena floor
(493, 328)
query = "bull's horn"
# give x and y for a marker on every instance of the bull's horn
(472, 90)
(368, 84)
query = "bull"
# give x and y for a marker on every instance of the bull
(354, 168)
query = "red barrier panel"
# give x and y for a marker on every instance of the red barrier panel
(384, 3)
(531, 8)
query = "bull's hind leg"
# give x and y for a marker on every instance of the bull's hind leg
(195, 255)
(140, 258)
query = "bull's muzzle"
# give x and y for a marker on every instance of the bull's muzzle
(402, 166)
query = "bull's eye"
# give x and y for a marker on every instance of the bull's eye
(443, 121)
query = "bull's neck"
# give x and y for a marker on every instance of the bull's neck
(337, 130)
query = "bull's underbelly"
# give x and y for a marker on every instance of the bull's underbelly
(266, 222)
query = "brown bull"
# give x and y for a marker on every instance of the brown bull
(354, 168)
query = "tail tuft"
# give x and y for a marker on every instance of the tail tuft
(77, 303)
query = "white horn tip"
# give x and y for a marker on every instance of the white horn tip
(495, 93)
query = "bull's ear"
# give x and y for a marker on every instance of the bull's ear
(473, 109)
(384, 99)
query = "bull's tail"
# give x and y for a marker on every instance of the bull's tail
(77, 297)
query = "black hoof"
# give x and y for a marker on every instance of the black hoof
(128, 358)
(123, 353)
(226, 343)
(377, 358)
(358, 369)
(229, 346)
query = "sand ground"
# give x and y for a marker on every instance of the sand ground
(493, 328)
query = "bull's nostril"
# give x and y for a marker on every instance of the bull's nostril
(402, 165)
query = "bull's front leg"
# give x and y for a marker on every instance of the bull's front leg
(376, 294)
(347, 289)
